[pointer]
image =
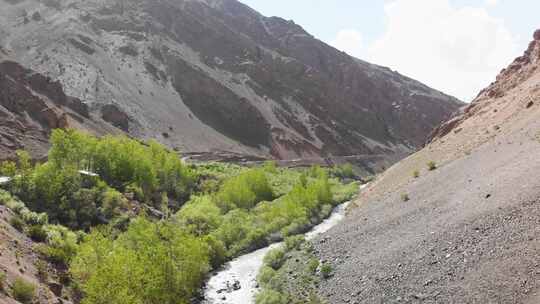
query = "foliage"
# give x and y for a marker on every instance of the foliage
(42, 270)
(416, 174)
(326, 270)
(405, 197)
(432, 165)
(37, 233)
(78, 200)
(200, 216)
(17, 223)
(269, 296)
(294, 242)
(149, 263)
(313, 265)
(275, 258)
(266, 275)
(23, 291)
(344, 171)
(61, 245)
(2, 281)
(245, 190)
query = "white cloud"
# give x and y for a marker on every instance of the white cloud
(456, 50)
(349, 41)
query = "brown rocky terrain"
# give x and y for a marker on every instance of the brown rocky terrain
(31, 105)
(18, 260)
(206, 75)
(466, 232)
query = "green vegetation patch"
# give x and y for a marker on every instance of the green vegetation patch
(201, 216)
(297, 278)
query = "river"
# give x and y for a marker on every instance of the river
(236, 282)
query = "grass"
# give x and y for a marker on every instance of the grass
(405, 197)
(23, 291)
(432, 165)
(42, 270)
(17, 223)
(2, 281)
(326, 270)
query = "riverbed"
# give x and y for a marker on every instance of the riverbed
(236, 282)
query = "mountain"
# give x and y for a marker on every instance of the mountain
(215, 75)
(32, 104)
(466, 232)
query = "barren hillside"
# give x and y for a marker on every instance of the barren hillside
(216, 75)
(468, 232)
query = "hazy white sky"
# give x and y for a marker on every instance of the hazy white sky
(456, 46)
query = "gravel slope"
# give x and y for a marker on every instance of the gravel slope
(471, 230)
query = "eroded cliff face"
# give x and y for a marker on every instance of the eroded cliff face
(216, 75)
(31, 105)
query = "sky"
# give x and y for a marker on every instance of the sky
(456, 46)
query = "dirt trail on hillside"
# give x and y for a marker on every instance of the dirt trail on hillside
(471, 230)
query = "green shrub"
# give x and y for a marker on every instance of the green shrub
(37, 233)
(42, 270)
(61, 244)
(245, 190)
(200, 216)
(294, 242)
(111, 203)
(23, 291)
(313, 265)
(268, 296)
(266, 275)
(416, 174)
(17, 223)
(275, 258)
(326, 270)
(432, 165)
(2, 281)
(344, 171)
(405, 197)
(149, 263)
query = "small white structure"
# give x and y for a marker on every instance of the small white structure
(88, 173)
(4, 180)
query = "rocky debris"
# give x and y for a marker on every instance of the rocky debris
(469, 235)
(31, 105)
(225, 77)
(112, 114)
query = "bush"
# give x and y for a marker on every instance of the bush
(266, 275)
(23, 291)
(111, 203)
(416, 174)
(313, 265)
(42, 270)
(268, 296)
(275, 258)
(326, 270)
(61, 245)
(432, 165)
(37, 233)
(294, 242)
(200, 216)
(2, 281)
(17, 223)
(344, 171)
(405, 197)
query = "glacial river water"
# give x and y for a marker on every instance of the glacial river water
(236, 282)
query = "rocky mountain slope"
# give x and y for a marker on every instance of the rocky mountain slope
(466, 232)
(31, 105)
(206, 75)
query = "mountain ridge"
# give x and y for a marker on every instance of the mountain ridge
(202, 76)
